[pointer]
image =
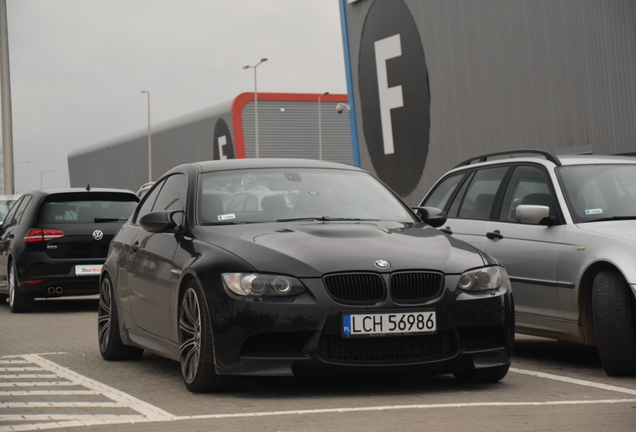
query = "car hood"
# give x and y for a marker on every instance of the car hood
(624, 229)
(311, 249)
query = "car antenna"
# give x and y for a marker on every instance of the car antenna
(88, 188)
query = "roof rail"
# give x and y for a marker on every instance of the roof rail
(549, 156)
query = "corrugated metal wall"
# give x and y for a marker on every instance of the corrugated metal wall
(290, 129)
(551, 74)
(286, 129)
(123, 162)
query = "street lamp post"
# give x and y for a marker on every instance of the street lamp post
(41, 177)
(320, 126)
(149, 139)
(7, 116)
(264, 59)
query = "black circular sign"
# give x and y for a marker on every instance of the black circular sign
(394, 95)
(223, 146)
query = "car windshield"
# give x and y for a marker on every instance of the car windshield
(71, 211)
(284, 194)
(600, 192)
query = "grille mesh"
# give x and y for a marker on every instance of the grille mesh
(356, 288)
(409, 288)
(384, 350)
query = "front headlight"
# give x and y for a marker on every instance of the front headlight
(483, 279)
(258, 284)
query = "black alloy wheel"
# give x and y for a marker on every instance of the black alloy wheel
(18, 301)
(196, 350)
(111, 346)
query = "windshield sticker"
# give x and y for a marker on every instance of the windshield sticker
(593, 211)
(227, 217)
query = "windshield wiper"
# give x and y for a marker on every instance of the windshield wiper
(613, 218)
(109, 219)
(228, 222)
(325, 219)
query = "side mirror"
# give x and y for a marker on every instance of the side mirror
(533, 214)
(159, 221)
(431, 216)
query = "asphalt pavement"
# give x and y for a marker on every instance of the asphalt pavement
(52, 377)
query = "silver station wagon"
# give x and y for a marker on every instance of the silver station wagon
(565, 229)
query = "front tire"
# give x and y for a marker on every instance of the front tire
(196, 350)
(19, 302)
(614, 310)
(110, 345)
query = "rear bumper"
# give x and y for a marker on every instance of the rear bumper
(61, 286)
(54, 278)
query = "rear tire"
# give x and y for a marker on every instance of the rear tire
(111, 346)
(487, 375)
(19, 302)
(196, 350)
(614, 310)
(3, 298)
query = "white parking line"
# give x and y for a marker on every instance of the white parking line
(574, 381)
(36, 384)
(7, 376)
(82, 385)
(61, 405)
(50, 393)
(404, 407)
(150, 413)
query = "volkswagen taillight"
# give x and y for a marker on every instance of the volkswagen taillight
(39, 234)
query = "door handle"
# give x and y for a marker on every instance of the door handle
(135, 246)
(494, 235)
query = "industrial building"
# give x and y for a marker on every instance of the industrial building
(433, 83)
(289, 125)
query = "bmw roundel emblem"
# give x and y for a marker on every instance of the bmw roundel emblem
(383, 264)
(98, 235)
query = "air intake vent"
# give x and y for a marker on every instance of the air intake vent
(356, 288)
(385, 350)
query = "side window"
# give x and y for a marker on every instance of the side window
(480, 196)
(442, 193)
(173, 194)
(20, 210)
(528, 185)
(8, 220)
(149, 201)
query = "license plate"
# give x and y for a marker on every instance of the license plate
(388, 323)
(88, 270)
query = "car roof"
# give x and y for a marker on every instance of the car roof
(40, 192)
(236, 164)
(544, 158)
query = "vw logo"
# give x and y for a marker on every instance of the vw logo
(383, 264)
(98, 235)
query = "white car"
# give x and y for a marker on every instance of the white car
(6, 201)
(565, 229)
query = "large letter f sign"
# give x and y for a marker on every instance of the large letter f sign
(389, 97)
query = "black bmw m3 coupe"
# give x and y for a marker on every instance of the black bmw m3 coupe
(286, 266)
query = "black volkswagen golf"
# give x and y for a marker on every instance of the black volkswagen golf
(53, 243)
(284, 266)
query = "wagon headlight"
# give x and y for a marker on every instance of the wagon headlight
(483, 279)
(257, 284)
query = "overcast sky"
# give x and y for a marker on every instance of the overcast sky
(78, 66)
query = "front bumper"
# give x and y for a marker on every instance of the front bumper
(259, 337)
